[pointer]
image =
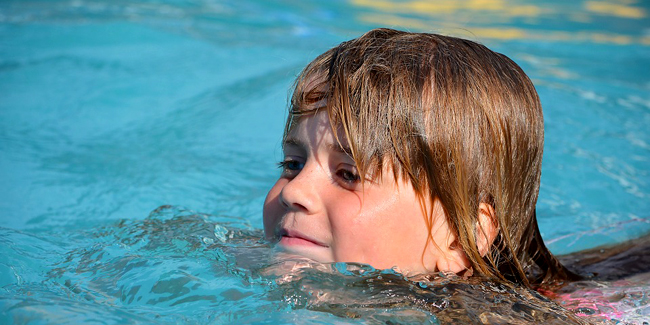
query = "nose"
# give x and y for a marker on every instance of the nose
(301, 192)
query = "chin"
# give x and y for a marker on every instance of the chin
(316, 253)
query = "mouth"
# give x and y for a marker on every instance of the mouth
(292, 238)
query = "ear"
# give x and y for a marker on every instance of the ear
(486, 228)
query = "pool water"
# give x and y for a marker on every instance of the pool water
(138, 140)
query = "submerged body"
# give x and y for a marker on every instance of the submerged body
(178, 260)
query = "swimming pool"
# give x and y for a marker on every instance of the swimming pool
(111, 109)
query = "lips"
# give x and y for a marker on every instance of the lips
(289, 237)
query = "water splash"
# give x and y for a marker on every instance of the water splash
(177, 265)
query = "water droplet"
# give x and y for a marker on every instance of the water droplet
(220, 233)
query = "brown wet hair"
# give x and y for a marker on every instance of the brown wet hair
(462, 123)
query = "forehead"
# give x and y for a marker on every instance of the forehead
(309, 108)
(315, 130)
(309, 125)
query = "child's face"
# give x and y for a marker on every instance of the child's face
(319, 209)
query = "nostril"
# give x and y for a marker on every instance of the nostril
(291, 205)
(292, 200)
(299, 206)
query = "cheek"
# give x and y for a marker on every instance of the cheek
(362, 229)
(387, 231)
(273, 211)
(345, 213)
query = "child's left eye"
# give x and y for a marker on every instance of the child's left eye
(348, 176)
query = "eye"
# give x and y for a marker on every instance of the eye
(290, 167)
(348, 175)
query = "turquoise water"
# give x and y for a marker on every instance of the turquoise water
(111, 109)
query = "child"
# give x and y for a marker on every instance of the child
(417, 152)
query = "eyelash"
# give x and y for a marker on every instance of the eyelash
(286, 165)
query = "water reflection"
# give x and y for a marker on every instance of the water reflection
(589, 21)
(615, 9)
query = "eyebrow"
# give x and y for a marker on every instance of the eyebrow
(296, 142)
(338, 148)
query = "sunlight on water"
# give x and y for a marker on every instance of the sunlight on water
(418, 14)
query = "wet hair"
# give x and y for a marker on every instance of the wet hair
(462, 123)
